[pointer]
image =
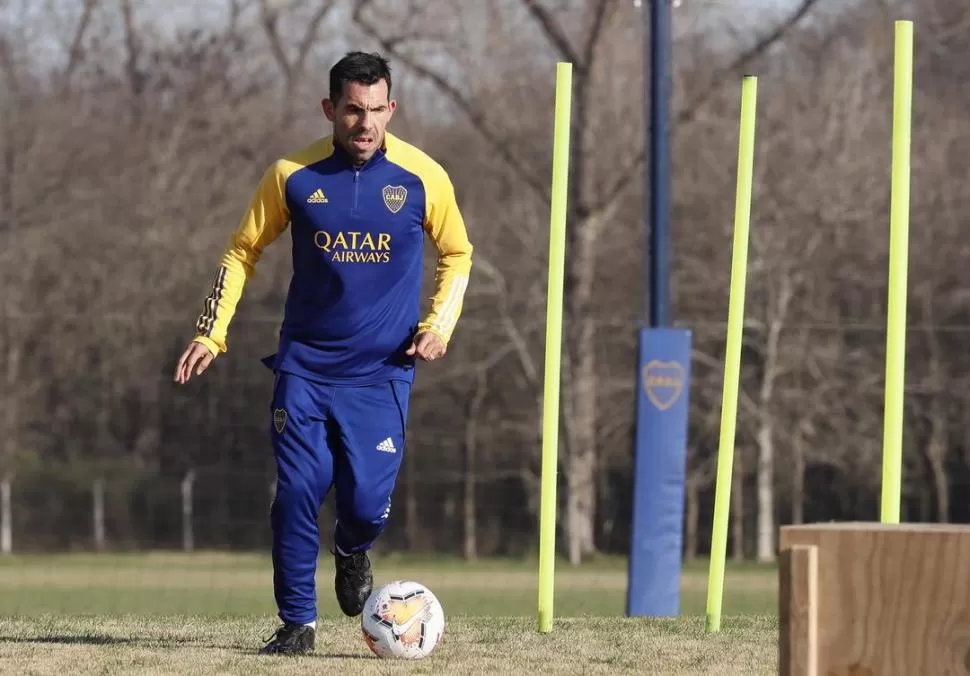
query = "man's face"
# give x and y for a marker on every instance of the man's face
(360, 117)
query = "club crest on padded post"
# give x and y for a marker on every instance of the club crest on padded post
(279, 420)
(663, 382)
(394, 197)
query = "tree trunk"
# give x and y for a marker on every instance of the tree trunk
(581, 455)
(936, 446)
(936, 454)
(7, 460)
(766, 493)
(691, 521)
(579, 393)
(97, 493)
(777, 312)
(936, 457)
(188, 537)
(412, 527)
(798, 479)
(471, 444)
(6, 178)
(737, 507)
(6, 514)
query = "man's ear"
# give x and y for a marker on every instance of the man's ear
(328, 109)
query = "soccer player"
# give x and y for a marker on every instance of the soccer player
(358, 204)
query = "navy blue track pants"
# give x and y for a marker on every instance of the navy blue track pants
(350, 439)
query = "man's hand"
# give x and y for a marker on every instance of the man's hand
(427, 346)
(195, 359)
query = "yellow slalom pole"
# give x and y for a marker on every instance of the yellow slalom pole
(550, 399)
(892, 443)
(732, 359)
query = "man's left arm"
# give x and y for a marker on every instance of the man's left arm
(446, 228)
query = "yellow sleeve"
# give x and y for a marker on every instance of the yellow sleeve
(446, 229)
(264, 220)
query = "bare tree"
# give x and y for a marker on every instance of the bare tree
(125, 160)
(292, 62)
(591, 37)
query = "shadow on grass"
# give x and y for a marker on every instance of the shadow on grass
(89, 639)
(316, 656)
(105, 640)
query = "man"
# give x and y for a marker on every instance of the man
(359, 203)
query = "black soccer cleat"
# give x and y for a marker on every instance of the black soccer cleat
(290, 639)
(353, 582)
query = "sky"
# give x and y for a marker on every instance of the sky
(186, 13)
(171, 16)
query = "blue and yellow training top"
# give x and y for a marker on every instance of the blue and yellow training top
(353, 304)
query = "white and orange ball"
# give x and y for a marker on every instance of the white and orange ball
(402, 619)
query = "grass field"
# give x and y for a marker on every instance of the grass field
(208, 613)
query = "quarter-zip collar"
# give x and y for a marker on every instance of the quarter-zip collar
(375, 160)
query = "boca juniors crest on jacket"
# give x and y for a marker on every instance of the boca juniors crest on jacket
(357, 239)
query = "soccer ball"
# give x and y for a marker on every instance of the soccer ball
(402, 619)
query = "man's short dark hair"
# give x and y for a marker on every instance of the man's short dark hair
(360, 67)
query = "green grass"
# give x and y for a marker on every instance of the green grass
(207, 613)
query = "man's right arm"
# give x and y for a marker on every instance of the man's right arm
(265, 219)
